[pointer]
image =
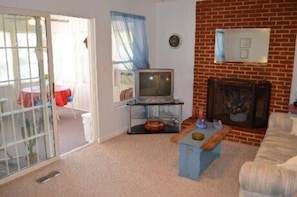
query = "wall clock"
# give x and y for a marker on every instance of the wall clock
(174, 41)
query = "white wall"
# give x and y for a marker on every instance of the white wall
(293, 94)
(111, 121)
(177, 17)
(162, 19)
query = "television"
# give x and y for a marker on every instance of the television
(154, 85)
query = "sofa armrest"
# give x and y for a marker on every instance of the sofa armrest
(280, 120)
(267, 179)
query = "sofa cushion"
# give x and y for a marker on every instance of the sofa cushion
(277, 147)
(280, 138)
(290, 164)
(281, 121)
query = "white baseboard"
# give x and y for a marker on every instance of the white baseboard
(111, 135)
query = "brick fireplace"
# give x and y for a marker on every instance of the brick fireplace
(237, 102)
(281, 18)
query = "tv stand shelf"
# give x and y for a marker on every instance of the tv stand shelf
(168, 113)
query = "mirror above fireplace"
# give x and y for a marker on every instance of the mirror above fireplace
(242, 45)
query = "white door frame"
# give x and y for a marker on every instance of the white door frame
(94, 82)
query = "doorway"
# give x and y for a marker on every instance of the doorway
(28, 115)
(72, 70)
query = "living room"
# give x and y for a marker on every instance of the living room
(192, 61)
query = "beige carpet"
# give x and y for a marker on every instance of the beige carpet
(134, 165)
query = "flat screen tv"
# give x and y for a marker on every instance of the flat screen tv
(154, 86)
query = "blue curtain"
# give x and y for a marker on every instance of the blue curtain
(130, 34)
(219, 46)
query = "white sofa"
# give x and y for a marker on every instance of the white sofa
(274, 169)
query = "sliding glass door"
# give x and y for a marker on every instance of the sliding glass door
(26, 121)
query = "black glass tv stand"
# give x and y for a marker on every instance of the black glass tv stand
(168, 114)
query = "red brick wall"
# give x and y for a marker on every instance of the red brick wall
(279, 15)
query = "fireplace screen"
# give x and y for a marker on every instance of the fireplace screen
(238, 102)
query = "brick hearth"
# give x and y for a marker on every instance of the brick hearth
(238, 134)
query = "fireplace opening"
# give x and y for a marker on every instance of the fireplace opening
(238, 102)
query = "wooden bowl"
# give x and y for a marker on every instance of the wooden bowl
(154, 125)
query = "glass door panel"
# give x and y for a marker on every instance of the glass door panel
(26, 124)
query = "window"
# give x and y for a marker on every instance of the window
(6, 68)
(129, 52)
(19, 49)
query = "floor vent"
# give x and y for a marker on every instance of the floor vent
(48, 177)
